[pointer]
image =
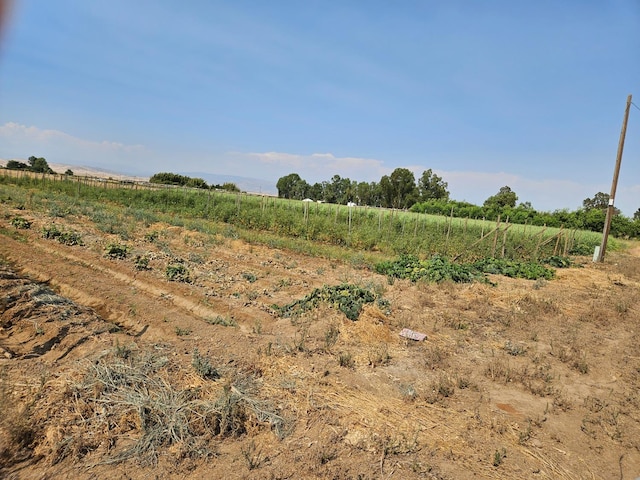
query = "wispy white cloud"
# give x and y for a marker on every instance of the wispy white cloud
(15, 132)
(21, 141)
(318, 166)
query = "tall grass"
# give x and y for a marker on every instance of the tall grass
(281, 222)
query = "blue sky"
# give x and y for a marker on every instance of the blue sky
(499, 92)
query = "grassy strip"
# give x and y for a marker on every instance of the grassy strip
(363, 229)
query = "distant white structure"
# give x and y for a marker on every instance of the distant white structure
(351, 204)
(307, 200)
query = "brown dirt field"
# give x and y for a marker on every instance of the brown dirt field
(522, 380)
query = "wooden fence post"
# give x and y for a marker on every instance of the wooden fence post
(495, 239)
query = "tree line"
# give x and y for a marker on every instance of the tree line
(430, 194)
(34, 164)
(167, 178)
(398, 190)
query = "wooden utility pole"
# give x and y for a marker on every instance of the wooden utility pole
(614, 185)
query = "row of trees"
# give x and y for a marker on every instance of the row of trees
(398, 190)
(166, 178)
(590, 217)
(430, 195)
(34, 164)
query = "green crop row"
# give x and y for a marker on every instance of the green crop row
(364, 229)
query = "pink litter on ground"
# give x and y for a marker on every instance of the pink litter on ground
(406, 333)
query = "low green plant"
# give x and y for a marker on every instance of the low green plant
(224, 321)
(498, 456)
(177, 272)
(435, 269)
(182, 332)
(151, 237)
(141, 262)
(558, 261)
(116, 251)
(249, 277)
(20, 222)
(66, 237)
(439, 269)
(203, 366)
(70, 238)
(348, 298)
(514, 268)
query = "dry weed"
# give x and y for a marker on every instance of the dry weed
(136, 396)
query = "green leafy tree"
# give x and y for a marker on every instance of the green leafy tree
(339, 190)
(600, 201)
(39, 164)
(292, 186)
(16, 165)
(399, 189)
(504, 198)
(316, 192)
(69, 172)
(431, 186)
(636, 216)
(167, 178)
(365, 193)
(230, 187)
(195, 182)
(386, 192)
(593, 219)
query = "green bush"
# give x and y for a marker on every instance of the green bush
(436, 269)
(66, 237)
(177, 272)
(141, 262)
(558, 261)
(249, 277)
(514, 268)
(203, 366)
(151, 236)
(439, 269)
(117, 250)
(20, 222)
(349, 299)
